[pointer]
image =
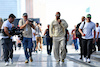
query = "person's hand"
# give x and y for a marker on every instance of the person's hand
(30, 23)
(9, 36)
(27, 22)
(83, 34)
(97, 40)
(59, 21)
(12, 25)
(67, 39)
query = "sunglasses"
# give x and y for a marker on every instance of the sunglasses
(57, 15)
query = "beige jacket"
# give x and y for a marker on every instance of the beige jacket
(58, 30)
(27, 30)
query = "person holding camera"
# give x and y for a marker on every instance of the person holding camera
(57, 31)
(26, 24)
(6, 39)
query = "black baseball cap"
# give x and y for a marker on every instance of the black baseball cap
(25, 14)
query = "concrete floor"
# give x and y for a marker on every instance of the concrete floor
(41, 59)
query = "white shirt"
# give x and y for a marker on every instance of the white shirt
(87, 30)
(14, 38)
(33, 37)
(98, 30)
(6, 24)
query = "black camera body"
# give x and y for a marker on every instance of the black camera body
(13, 31)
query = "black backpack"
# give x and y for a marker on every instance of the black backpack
(66, 34)
(78, 34)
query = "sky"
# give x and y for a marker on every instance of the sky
(72, 10)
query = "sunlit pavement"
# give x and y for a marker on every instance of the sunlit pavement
(41, 59)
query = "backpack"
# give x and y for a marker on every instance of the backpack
(78, 34)
(66, 34)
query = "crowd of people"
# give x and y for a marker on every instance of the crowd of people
(56, 34)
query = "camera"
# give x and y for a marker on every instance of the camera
(30, 20)
(13, 31)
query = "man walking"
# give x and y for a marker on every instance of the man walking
(6, 40)
(78, 35)
(27, 36)
(57, 31)
(87, 37)
(98, 36)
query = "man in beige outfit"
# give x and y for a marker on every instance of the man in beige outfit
(57, 31)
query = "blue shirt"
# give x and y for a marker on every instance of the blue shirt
(87, 29)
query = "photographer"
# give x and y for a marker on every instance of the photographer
(6, 40)
(27, 36)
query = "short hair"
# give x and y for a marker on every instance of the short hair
(97, 23)
(12, 16)
(59, 13)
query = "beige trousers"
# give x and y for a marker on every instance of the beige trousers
(59, 48)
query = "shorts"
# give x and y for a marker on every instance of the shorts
(39, 39)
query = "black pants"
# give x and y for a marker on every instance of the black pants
(14, 43)
(66, 45)
(87, 47)
(49, 45)
(7, 49)
(98, 44)
(81, 52)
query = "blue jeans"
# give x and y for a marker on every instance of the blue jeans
(27, 43)
(75, 44)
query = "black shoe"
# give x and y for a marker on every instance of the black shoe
(80, 58)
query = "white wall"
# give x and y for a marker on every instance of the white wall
(39, 11)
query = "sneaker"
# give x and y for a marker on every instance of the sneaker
(26, 61)
(88, 60)
(11, 61)
(6, 63)
(31, 60)
(84, 59)
(63, 60)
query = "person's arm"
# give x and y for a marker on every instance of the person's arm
(97, 36)
(45, 31)
(94, 34)
(80, 30)
(63, 23)
(21, 25)
(30, 23)
(6, 31)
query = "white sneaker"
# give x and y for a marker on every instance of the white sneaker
(88, 60)
(84, 59)
(6, 63)
(11, 61)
